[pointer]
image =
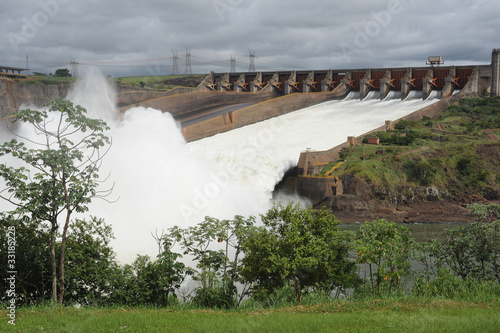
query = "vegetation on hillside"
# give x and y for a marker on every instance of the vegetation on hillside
(459, 150)
(161, 82)
(164, 82)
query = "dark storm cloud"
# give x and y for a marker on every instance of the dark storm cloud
(137, 37)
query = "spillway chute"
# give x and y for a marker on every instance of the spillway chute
(414, 94)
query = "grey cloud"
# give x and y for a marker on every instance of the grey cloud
(320, 34)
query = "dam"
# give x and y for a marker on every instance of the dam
(164, 178)
(226, 101)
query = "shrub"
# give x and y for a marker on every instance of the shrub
(420, 171)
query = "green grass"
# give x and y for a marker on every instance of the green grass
(340, 316)
(48, 80)
(162, 82)
(384, 165)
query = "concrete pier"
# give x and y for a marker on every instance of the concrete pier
(495, 77)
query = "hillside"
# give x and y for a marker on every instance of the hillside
(427, 170)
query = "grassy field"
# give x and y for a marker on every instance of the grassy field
(367, 316)
(384, 165)
(163, 82)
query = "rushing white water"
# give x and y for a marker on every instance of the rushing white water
(161, 181)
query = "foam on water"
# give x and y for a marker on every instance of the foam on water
(161, 181)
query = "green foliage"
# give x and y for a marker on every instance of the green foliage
(32, 258)
(420, 171)
(478, 112)
(397, 138)
(301, 247)
(449, 286)
(471, 251)
(62, 72)
(490, 212)
(387, 249)
(91, 265)
(59, 176)
(90, 262)
(220, 296)
(148, 282)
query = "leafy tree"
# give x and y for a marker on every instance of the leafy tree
(90, 262)
(489, 212)
(387, 250)
(217, 273)
(301, 247)
(471, 251)
(150, 282)
(60, 175)
(62, 72)
(420, 171)
(32, 258)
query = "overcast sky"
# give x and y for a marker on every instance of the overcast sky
(137, 37)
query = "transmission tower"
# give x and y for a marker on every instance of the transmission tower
(233, 62)
(175, 63)
(188, 69)
(74, 67)
(27, 64)
(251, 68)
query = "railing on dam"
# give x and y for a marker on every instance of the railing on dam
(426, 79)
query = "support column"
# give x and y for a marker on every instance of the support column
(406, 84)
(347, 82)
(449, 83)
(291, 85)
(385, 84)
(495, 77)
(309, 84)
(241, 84)
(365, 84)
(389, 126)
(256, 84)
(208, 82)
(327, 84)
(276, 83)
(223, 84)
(427, 84)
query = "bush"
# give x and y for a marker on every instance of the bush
(420, 171)
(447, 285)
(222, 296)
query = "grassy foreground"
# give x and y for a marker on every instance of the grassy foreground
(367, 316)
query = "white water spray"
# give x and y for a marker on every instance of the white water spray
(161, 181)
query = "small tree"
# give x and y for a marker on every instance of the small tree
(90, 262)
(387, 250)
(420, 171)
(60, 175)
(62, 72)
(301, 247)
(32, 258)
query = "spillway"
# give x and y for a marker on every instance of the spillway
(161, 181)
